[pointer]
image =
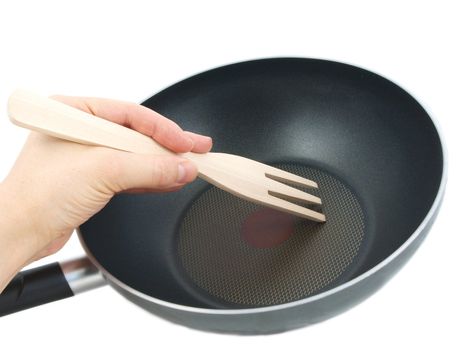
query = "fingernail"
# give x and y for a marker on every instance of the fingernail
(186, 171)
(208, 138)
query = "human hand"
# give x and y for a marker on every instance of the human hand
(56, 185)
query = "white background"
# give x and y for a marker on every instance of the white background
(132, 50)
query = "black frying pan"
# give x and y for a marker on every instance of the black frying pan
(206, 259)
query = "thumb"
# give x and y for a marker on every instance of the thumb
(150, 172)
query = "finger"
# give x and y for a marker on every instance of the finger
(202, 144)
(137, 171)
(137, 117)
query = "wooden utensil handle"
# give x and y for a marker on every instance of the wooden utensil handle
(57, 119)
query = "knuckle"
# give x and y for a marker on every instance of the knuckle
(157, 173)
(162, 172)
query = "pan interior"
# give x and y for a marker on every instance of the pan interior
(335, 123)
(250, 256)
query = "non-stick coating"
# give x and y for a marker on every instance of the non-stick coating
(327, 115)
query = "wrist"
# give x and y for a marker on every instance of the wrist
(18, 239)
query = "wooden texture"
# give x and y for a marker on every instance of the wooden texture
(240, 176)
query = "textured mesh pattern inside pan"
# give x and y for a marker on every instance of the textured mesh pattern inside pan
(251, 256)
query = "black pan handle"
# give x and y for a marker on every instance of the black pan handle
(49, 283)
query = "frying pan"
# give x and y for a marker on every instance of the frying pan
(205, 259)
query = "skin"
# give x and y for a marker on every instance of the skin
(55, 185)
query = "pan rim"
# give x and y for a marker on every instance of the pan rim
(272, 308)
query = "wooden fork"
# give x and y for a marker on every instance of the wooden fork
(240, 176)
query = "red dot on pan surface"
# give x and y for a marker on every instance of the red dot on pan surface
(267, 228)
